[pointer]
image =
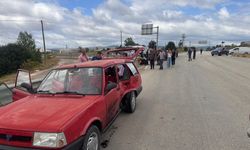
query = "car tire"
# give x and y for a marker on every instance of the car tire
(212, 54)
(130, 102)
(92, 139)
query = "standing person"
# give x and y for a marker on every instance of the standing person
(201, 51)
(173, 57)
(194, 53)
(161, 57)
(98, 56)
(169, 58)
(83, 57)
(190, 54)
(152, 58)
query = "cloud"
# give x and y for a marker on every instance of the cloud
(74, 28)
(223, 13)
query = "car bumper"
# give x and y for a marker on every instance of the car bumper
(248, 132)
(138, 91)
(73, 146)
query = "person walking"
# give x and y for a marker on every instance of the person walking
(161, 57)
(194, 53)
(83, 56)
(190, 54)
(173, 57)
(98, 56)
(201, 51)
(169, 58)
(152, 58)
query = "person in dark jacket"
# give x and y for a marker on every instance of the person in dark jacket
(98, 56)
(152, 56)
(194, 52)
(173, 57)
(190, 54)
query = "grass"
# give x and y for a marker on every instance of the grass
(51, 62)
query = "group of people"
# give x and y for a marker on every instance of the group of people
(192, 50)
(84, 57)
(160, 56)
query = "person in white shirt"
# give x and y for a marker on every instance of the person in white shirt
(169, 59)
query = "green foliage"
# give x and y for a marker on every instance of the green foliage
(129, 42)
(26, 41)
(170, 45)
(185, 49)
(23, 53)
(11, 58)
(29, 64)
(152, 44)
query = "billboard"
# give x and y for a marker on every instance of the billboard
(147, 29)
(202, 42)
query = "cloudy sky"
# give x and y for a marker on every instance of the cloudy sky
(91, 23)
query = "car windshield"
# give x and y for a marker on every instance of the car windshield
(83, 81)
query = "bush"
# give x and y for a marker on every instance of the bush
(11, 58)
(29, 64)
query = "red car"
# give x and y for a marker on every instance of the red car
(72, 106)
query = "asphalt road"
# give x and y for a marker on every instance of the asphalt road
(198, 105)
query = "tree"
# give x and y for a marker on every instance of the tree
(12, 57)
(26, 41)
(152, 44)
(170, 45)
(129, 42)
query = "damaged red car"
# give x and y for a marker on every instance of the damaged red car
(72, 106)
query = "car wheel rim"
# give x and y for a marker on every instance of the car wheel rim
(133, 101)
(93, 142)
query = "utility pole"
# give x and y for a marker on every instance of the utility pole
(121, 38)
(44, 45)
(157, 38)
(183, 36)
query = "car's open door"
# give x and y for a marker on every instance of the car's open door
(23, 85)
(130, 53)
(5, 94)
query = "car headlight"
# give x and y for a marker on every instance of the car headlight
(54, 140)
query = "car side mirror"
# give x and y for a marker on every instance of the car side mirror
(110, 86)
(28, 87)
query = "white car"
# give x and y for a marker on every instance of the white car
(240, 50)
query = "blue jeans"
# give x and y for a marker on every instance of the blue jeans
(169, 62)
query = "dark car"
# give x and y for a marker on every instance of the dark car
(219, 51)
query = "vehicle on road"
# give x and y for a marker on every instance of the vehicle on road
(219, 51)
(72, 106)
(239, 50)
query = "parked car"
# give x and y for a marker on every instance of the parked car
(240, 50)
(71, 108)
(219, 51)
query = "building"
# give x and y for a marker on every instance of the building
(245, 43)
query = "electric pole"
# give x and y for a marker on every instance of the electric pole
(44, 45)
(183, 36)
(121, 38)
(157, 38)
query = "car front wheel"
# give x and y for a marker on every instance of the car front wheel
(92, 139)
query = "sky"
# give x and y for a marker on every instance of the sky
(95, 23)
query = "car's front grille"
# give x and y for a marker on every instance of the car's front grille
(15, 138)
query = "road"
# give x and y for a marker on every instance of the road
(198, 105)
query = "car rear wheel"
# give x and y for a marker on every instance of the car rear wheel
(130, 103)
(92, 139)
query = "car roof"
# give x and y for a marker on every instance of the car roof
(98, 63)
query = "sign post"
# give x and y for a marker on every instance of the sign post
(147, 29)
